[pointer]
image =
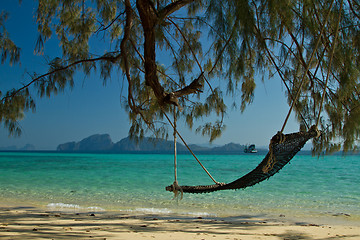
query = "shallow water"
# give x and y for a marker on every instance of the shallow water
(309, 186)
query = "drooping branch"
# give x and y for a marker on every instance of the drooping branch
(106, 57)
(280, 73)
(187, 43)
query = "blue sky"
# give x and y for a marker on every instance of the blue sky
(92, 108)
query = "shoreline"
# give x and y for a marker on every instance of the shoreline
(20, 222)
(281, 215)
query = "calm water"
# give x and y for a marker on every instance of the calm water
(309, 186)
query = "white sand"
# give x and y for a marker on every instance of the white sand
(32, 223)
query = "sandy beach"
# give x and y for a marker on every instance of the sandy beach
(33, 223)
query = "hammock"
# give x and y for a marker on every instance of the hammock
(282, 149)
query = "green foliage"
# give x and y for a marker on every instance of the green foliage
(8, 48)
(12, 109)
(230, 42)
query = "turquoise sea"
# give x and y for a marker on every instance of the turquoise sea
(308, 187)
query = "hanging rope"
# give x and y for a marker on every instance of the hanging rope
(187, 146)
(307, 69)
(278, 70)
(330, 62)
(175, 185)
(280, 137)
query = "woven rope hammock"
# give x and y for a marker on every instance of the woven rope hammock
(282, 149)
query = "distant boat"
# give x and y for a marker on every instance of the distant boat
(250, 149)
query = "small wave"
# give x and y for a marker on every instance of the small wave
(72, 207)
(201, 214)
(63, 205)
(161, 211)
(150, 210)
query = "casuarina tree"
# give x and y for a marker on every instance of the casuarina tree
(191, 54)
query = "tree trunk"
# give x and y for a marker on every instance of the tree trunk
(149, 19)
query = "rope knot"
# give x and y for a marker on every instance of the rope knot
(278, 138)
(314, 130)
(177, 190)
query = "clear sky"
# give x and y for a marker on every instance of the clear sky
(92, 108)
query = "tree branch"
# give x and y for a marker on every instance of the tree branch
(192, 51)
(352, 9)
(171, 8)
(105, 57)
(148, 18)
(124, 54)
(194, 87)
(103, 28)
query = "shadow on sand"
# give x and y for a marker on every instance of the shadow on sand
(31, 223)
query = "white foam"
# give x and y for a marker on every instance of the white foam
(150, 210)
(73, 207)
(201, 214)
(161, 211)
(63, 205)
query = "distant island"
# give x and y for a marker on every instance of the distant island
(103, 143)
